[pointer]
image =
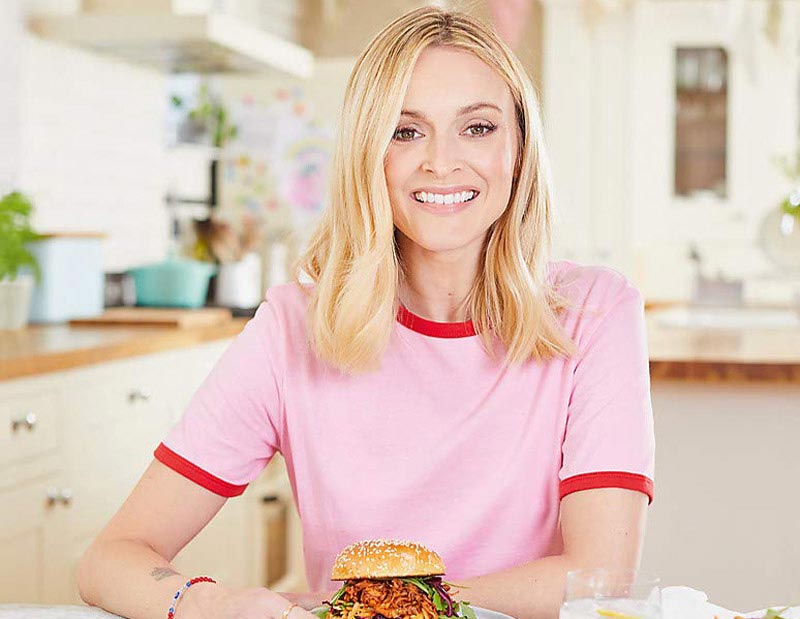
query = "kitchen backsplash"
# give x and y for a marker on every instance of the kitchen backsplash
(91, 148)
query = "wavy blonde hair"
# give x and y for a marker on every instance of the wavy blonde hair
(352, 257)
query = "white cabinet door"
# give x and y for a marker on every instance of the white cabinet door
(32, 532)
(114, 414)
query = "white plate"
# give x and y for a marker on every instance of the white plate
(480, 613)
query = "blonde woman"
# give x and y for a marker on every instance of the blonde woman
(441, 380)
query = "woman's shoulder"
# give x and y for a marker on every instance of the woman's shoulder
(288, 298)
(282, 311)
(591, 289)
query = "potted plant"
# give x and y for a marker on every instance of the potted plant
(209, 119)
(791, 169)
(18, 266)
(779, 235)
(207, 122)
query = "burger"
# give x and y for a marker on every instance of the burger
(392, 579)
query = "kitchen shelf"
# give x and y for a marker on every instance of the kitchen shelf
(175, 43)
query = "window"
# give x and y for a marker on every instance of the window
(701, 121)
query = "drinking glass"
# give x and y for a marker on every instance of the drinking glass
(599, 593)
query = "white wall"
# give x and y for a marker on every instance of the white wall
(10, 36)
(762, 123)
(91, 147)
(609, 121)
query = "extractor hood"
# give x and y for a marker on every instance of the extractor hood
(210, 42)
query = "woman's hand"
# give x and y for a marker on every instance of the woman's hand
(309, 599)
(213, 601)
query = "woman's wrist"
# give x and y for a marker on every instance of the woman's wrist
(198, 600)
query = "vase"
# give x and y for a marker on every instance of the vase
(239, 283)
(779, 238)
(15, 301)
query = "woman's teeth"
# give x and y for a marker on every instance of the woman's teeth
(448, 198)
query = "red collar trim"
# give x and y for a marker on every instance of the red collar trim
(434, 329)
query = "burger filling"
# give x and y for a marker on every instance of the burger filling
(396, 598)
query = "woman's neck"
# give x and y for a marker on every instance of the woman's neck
(436, 284)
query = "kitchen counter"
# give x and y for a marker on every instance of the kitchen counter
(734, 354)
(30, 611)
(715, 354)
(39, 349)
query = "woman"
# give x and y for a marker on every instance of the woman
(440, 380)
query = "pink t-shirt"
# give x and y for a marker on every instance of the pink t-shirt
(442, 445)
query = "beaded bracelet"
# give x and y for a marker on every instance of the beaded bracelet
(189, 583)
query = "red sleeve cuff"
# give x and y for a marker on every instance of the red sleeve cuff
(191, 471)
(607, 479)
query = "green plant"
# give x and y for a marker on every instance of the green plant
(791, 204)
(791, 169)
(15, 232)
(210, 113)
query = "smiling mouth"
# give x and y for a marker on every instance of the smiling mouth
(424, 197)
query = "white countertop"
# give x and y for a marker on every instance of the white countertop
(677, 603)
(29, 611)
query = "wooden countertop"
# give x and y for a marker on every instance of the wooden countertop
(715, 355)
(763, 355)
(49, 348)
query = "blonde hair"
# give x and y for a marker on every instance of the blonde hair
(352, 257)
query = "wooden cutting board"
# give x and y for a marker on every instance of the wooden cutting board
(157, 317)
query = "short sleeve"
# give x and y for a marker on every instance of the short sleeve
(609, 440)
(228, 433)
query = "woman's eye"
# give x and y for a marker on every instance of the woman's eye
(405, 134)
(480, 129)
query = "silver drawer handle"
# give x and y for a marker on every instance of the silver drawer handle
(59, 495)
(29, 421)
(139, 394)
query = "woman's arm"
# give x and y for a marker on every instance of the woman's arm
(601, 528)
(127, 568)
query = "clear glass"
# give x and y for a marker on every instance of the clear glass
(599, 593)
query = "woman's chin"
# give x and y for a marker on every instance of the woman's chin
(446, 244)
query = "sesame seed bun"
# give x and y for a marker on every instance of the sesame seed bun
(380, 558)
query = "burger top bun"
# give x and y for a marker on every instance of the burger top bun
(380, 558)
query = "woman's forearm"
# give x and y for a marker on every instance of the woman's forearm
(132, 580)
(529, 591)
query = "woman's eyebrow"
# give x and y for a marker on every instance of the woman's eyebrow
(461, 111)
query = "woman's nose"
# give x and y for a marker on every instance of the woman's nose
(441, 156)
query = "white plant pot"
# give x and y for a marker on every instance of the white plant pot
(239, 283)
(15, 301)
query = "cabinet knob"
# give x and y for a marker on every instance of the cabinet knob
(29, 421)
(139, 395)
(59, 495)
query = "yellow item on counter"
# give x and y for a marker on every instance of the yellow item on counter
(614, 614)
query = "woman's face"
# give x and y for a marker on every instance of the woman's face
(450, 164)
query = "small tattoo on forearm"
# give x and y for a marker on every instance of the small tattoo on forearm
(160, 573)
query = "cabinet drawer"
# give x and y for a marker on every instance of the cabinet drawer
(28, 426)
(111, 395)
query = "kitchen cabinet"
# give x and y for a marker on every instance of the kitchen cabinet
(72, 446)
(31, 542)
